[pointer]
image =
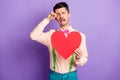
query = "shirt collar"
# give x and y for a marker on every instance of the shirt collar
(69, 28)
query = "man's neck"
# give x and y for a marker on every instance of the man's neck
(65, 27)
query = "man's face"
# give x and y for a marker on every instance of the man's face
(62, 16)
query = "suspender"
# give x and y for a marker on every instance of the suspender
(71, 63)
(54, 60)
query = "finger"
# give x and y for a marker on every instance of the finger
(78, 57)
(52, 14)
(77, 52)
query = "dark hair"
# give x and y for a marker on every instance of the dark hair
(61, 5)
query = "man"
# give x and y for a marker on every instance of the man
(61, 68)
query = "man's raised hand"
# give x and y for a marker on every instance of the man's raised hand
(51, 16)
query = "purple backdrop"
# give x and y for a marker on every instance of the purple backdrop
(24, 59)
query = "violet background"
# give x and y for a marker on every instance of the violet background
(24, 59)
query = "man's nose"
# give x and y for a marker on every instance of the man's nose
(61, 15)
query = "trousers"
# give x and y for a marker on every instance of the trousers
(66, 76)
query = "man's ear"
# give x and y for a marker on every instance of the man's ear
(69, 15)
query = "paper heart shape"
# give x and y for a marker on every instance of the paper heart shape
(65, 46)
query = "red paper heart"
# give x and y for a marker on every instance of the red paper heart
(65, 46)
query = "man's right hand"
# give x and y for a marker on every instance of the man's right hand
(51, 16)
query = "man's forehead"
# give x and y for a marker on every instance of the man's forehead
(60, 9)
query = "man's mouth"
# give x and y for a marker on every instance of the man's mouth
(61, 20)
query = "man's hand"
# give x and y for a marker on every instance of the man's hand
(51, 16)
(78, 53)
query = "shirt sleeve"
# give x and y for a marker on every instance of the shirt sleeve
(83, 50)
(38, 35)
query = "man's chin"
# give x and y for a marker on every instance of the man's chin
(62, 24)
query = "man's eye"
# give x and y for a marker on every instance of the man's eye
(63, 12)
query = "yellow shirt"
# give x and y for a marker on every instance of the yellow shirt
(62, 65)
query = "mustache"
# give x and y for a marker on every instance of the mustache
(62, 19)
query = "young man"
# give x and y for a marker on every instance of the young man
(61, 68)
